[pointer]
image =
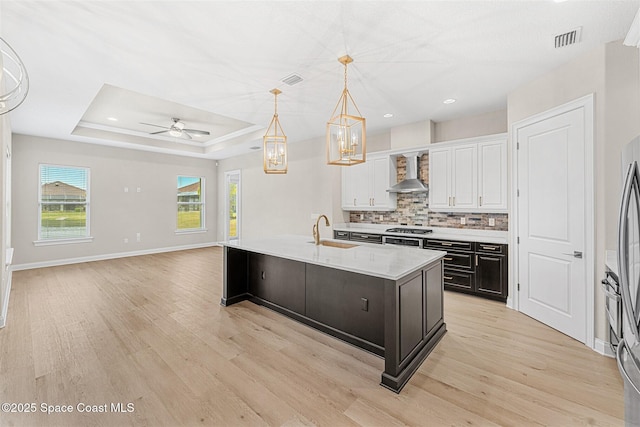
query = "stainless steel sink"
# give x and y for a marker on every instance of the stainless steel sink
(336, 244)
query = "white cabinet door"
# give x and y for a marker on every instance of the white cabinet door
(492, 175)
(364, 186)
(360, 179)
(464, 175)
(379, 178)
(440, 178)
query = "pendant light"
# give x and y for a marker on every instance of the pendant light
(275, 143)
(346, 134)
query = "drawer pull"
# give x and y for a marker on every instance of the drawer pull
(491, 248)
(448, 278)
(476, 260)
(446, 244)
(448, 259)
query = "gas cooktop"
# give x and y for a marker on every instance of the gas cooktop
(409, 230)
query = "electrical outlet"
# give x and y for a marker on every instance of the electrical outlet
(139, 189)
(381, 217)
(126, 189)
(138, 237)
(361, 217)
(463, 221)
(492, 222)
(126, 240)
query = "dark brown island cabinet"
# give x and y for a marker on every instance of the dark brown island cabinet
(400, 320)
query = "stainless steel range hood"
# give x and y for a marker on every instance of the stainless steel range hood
(411, 184)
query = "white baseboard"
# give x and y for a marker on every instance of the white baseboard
(5, 301)
(57, 262)
(603, 347)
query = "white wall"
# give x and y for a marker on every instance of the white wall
(467, 127)
(608, 72)
(283, 204)
(115, 215)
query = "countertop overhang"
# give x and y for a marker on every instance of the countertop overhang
(385, 261)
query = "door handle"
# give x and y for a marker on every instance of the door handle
(575, 254)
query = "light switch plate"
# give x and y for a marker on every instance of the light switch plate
(463, 221)
(492, 222)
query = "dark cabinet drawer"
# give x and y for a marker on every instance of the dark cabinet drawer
(447, 245)
(342, 235)
(366, 237)
(459, 260)
(458, 280)
(491, 248)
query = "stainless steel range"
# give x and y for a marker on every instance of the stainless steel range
(414, 241)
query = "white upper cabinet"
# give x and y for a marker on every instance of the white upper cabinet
(364, 186)
(464, 173)
(439, 178)
(469, 175)
(492, 175)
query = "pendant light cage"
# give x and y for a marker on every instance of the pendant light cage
(346, 131)
(275, 144)
(15, 80)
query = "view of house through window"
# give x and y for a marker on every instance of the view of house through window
(64, 202)
(190, 203)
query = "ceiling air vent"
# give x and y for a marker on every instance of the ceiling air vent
(292, 79)
(568, 38)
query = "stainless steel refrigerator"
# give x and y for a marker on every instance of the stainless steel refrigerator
(628, 352)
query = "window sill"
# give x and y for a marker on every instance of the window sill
(54, 242)
(192, 231)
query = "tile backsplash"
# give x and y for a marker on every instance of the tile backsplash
(412, 209)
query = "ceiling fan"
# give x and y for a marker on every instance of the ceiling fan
(177, 129)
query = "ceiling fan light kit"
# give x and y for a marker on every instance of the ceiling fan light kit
(346, 132)
(177, 130)
(275, 143)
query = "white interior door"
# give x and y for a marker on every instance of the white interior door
(552, 270)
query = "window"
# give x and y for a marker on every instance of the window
(190, 203)
(64, 203)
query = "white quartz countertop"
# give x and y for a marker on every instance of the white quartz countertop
(385, 261)
(442, 233)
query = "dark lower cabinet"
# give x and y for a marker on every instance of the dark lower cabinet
(491, 275)
(350, 302)
(474, 267)
(411, 315)
(278, 280)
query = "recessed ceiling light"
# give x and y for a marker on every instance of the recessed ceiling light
(388, 115)
(113, 119)
(449, 101)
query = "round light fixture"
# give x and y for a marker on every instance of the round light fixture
(449, 101)
(388, 115)
(112, 119)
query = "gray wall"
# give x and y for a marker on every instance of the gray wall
(115, 215)
(5, 213)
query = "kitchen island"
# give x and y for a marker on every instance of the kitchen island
(387, 300)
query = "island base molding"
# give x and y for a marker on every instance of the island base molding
(399, 320)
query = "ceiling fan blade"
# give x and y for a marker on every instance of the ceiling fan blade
(185, 133)
(197, 132)
(160, 131)
(151, 124)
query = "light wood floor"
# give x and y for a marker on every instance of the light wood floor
(149, 330)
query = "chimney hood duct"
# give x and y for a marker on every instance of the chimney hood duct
(411, 184)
